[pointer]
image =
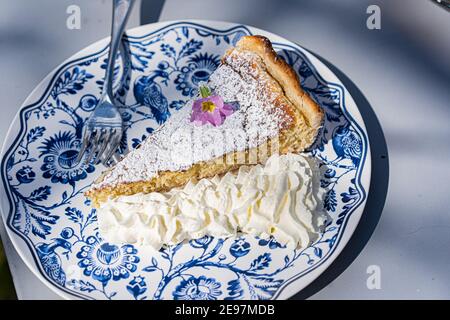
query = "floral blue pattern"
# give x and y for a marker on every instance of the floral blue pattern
(60, 153)
(199, 69)
(271, 243)
(25, 175)
(239, 248)
(104, 261)
(200, 288)
(44, 186)
(201, 242)
(137, 287)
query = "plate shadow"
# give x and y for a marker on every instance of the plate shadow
(375, 199)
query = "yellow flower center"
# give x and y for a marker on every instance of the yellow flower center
(208, 106)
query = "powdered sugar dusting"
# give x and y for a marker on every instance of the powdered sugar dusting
(179, 143)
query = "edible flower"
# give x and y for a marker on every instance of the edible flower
(210, 108)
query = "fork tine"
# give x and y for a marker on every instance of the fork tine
(87, 134)
(115, 140)
(114, 143)
(106, 141)
(93, 150)
(103, 140)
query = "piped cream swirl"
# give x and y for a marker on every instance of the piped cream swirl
(281, 199)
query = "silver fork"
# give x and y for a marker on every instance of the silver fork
(104, 126)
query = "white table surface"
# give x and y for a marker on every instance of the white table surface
(403, 70)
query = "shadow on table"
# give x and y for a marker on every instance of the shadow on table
(151, 10)
(376, 196)
(6, 283)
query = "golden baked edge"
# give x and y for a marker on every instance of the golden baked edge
(307, 118)
(285, 76)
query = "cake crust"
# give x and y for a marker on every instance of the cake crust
(302, 119)
(285, 76)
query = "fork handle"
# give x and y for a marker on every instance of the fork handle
(121, 13)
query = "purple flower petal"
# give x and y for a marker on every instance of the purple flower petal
(217, 100)
(227, 110)
(215, 116)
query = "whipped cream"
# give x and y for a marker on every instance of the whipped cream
(281, 199)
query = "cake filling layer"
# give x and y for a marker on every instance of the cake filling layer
(281, 198)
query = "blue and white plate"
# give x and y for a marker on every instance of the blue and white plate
(55, 230)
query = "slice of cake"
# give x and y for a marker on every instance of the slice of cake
(251, 107)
